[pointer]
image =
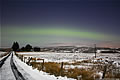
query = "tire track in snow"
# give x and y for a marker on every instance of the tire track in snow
(3, 60)
(5, 70)
(17, 74)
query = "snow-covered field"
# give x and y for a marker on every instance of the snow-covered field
(85, 61)
(70, 57)
(31, 74)
(58, 57)
(28, 72)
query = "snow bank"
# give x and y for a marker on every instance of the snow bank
(1, 54)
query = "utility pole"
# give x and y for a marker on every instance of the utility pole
(95, 49)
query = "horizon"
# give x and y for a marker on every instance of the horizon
(62, 44)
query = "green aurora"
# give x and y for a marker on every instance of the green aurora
(51, 35)
(56, 32)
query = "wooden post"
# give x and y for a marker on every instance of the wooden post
(43, 65)
(61, 69)
(35, 59)
(21, 57)
(29, 60)
(104, 72)
(25, 59)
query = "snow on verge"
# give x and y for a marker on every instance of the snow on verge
(1, 54)
(35, 74)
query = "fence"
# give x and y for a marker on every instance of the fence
(58, 69)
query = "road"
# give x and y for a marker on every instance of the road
(8, 70)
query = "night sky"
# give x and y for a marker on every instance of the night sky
(60, 22)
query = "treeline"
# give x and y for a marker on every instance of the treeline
(28, 47)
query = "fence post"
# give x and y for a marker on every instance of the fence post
(35, 59)
(43, 65)
(22, 57)
(29, 61)
(24, 60)
(104, 72)
(61, 69)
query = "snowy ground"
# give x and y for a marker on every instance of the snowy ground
(33, 74)
(73, 57)
(58, 57)
(27, 71)
(70, 57)
(1, 54)
(6, 71)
